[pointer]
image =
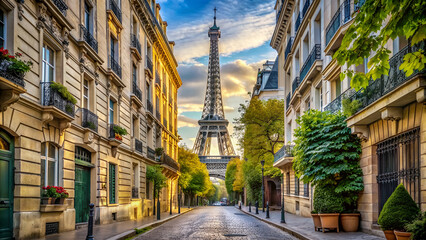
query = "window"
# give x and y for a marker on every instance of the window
(88, 17)
(48, 65)
(82, 154)
(135, 127)
(134, 75)
(113, 48)
(86, 94)
(320, 98)
(135, 188)
(306, 189)
(338, 87)
(288, 182)
(148, 92)
(111, 111)
(112, 180)
(2, 29)
(49, 164)
(296, 185)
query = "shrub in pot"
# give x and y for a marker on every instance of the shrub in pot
(417, 228)
(399, 210)
(329, 205)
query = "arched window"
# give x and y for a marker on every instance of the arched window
(49, 164)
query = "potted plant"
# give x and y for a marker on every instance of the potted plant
(119, 132)
(159, 151)
(54, 195)
(63, 91)
(418, 227)
(317, 220)
(329, 205)
(349, 219)
(13, 64)
(399, 210)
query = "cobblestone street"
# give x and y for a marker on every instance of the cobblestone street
(215, 223)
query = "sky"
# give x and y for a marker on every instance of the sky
(246, 30)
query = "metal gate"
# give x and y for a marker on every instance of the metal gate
(399, 162)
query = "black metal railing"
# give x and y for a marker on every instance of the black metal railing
(342, 16)
(17, 79)
(89, 119)
(150, 153)
(295, 84)
(113, 6)
(313, 56)
(285, 151)
(111, 130)
(306, 6)
(61, 5)
(149, 106)
(138, 145)
(287, 101)
(115, 66)
(88, 38)
(288, 47)
(135, 43)
(336, 105)
(158, 115)
(51, 97)
(149, 64)
(167, 160)
(298, 21)
(385, 84)
(137, 91)
(135, 192)
(157, 78)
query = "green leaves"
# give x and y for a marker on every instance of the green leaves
(155, 175)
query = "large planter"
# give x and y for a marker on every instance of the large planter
(350, 221)
(60, 201)
(402, 235)
(389, 234)
(48, 200)
(317, 221)
(329, 221)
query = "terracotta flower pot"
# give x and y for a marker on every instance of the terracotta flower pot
(402, 235)
(48, 200)
(389, 234)
(60, 201)
(350, 221)
(317, 221)
(330, 221)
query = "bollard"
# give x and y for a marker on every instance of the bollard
(267, 209)
(239, 205)
(257, 207)
(158, 209)
(90, 224)
(282, 214)
(179, 199)
(249, 206)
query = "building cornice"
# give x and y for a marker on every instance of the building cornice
(282, 24)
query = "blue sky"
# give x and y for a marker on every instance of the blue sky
(246, 27)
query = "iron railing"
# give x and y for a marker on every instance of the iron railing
(342, 16)
(288, 47)
(138, 145)
(150, 153)
(111, 130)
(113, 6)
(298, 21)
(135, 192)
(115, 66)
(135, 43)
(61, 5)
(158, 115)
(313, 56)
(88, 38)
(89, 119)
(149, 106)
(336, 105)
(17, 79)
(167, 160)
(285, 151)
(149, 64)
(51, 97)
(137, 91)
(287, 101)
(295, 84)
(306, 6)
(385, 84)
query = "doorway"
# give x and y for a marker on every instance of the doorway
(6, 186)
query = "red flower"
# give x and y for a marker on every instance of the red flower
(18, 54)
(11, 56)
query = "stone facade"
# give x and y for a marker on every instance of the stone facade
(116, 61)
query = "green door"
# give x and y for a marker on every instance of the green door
(82, 193)
(6, 186)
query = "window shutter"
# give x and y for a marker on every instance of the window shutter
(112, 183)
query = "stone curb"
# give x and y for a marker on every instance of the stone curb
(284, 228)
(131, 233)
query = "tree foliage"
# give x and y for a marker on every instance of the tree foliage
(155, 175)
(377, 22)
(234, 177)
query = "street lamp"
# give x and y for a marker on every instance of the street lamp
(282, 204)
(263, 188)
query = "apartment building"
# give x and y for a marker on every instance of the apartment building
(115, 60)
(267, 85)
(390, 119)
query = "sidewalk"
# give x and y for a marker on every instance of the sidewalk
(117, 229)
(303, 228)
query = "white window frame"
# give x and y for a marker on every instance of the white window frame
(4, 22)
(86, 97)
(46, 158)
(46, 64)
(111, 110)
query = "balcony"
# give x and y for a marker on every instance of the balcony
(114, 66)
(336, 28)
(306, 6)
(311, 65)
(51, 97)
(115, 139)
(113, 6)
(135, 192)
(89, 119)
(288, 47)
(150, 153)
(283, 156)
(136, 94)
(135, 46)
(336, 105)
(61, 5)
(157, 79)
(11, 87)
(88, 38)
(166, 160)
(297, 24)
(149, 66)
(287, 101)
(295, 85)
(149, 106)
(138, 145)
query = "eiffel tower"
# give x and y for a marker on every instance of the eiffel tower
(213, 123)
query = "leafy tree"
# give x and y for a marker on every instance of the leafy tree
(327, 153)
(377, 22)
(154, 174)
(234, 181)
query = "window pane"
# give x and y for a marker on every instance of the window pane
(51, 173)
(43, 149)
(43, 172)
(50, 74)
(52, 151)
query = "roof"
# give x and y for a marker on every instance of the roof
(272, 82)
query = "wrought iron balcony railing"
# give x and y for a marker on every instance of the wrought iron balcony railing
(306, 6)
(89, 119)
(149, 106)
(19, 80)
(137, 91)
(149, 64)
(61, 5)
(88, 38)
(135, 43)
(150, 153)
(385, 84)
(111, 130)
(295, 84)
(342, 16)
(167, 160)
(115, 66)
(157, 78)
(51, 97)
(113, 6)
(287, 101)
(158, 115)
(138, 145)
(285, 151)
(135, 192)
(336, 105)
(288, 47)
(313, 56)
(298, 21)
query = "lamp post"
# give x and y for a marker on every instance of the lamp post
(263, 188)
(282, 204)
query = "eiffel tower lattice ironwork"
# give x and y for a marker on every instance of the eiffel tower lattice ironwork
(213, 123)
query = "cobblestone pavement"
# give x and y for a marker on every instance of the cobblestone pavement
(215, 222)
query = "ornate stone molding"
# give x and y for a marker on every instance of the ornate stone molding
(361, 131)
(391, 113)
(7, 98)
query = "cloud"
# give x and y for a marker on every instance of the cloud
(184, 121)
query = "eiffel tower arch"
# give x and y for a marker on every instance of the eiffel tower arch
(213, 124)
